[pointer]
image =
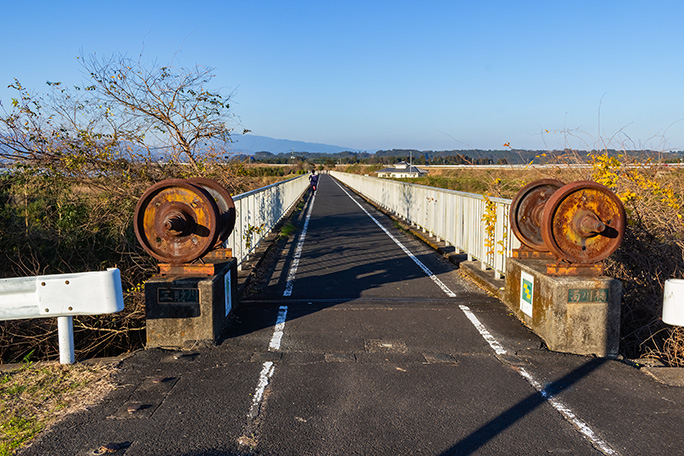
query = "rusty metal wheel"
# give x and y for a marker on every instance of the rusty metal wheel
(526, 212)
(583, 222)
(224, 202)
(176, 221)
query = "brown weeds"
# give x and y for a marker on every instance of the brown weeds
(33, 397)
(57, 221)
(653, 248)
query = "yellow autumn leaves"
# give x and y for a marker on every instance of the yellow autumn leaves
(632, 182)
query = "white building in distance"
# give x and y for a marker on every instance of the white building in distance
(402, 169)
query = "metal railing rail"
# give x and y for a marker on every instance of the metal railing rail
(96, 293)
(62, 296)
(458, 218)
(258, 211)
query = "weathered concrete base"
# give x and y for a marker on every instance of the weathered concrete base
(185, 311)
(579, 315)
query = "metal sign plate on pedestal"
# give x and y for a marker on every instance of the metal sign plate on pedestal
(526, 292)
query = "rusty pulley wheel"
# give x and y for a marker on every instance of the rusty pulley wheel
(225, 204)
(583, 222)
(176, 221)
(527, 209)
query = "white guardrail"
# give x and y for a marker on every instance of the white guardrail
(258, 211)
(458, 218)
(96, 293)
(62, 296)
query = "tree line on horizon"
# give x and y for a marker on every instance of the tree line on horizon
(453, 157)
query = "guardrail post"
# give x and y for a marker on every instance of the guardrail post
(65, 332)
(62, 296)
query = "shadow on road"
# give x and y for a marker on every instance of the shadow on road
(489, 431)
(345, 258)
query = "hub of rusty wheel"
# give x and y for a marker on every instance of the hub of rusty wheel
(583, 222)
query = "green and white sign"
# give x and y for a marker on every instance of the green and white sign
(526, 292)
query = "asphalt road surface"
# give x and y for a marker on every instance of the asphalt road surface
(364, 341)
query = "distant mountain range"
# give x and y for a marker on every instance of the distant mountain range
(250, 144)
(272, 150)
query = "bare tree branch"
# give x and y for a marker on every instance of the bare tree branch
(163, 107)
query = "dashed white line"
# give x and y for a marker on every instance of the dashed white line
(279, 329)
(264, 378)
(268, 368)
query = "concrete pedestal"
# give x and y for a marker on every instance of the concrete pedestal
(578, 315)
(183, 311)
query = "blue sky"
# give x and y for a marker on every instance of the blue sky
(391, 74)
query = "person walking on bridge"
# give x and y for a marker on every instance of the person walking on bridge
(313, 179)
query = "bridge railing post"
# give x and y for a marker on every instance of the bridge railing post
(267, 206)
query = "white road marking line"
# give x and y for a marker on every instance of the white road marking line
(279, 329)
(486, 335)
(298, 251)
(568, 414)
(264, 378)
(420, 264)
(269, 367)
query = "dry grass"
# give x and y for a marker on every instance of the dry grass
(653, 248)
(502, 183)
(35, 396)
(60, 223)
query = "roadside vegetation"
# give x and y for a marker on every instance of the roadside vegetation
(652, 251)
(33, 397)
(73, 163)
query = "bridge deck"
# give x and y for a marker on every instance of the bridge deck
(363, 341)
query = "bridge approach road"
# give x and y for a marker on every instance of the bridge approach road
(364, 341)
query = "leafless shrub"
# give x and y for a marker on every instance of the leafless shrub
(653, 248)
(74, 163)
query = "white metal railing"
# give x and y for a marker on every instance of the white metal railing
(62, 296)
(454, 217)
(258, 211)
